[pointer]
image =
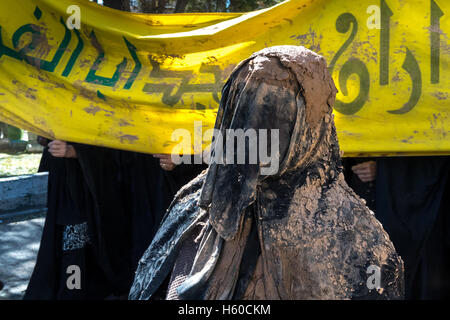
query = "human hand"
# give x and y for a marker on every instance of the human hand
(366, 171)
(60, 149)
(42, 141)
(165, 161)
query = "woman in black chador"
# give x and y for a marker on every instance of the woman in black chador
(104, 207)
(82, 223)
(236, 232)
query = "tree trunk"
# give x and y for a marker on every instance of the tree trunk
(181, 5)
(221, 5)
(152, 6)
(117, 4)
(161, 6)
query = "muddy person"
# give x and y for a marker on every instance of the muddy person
(301, 233)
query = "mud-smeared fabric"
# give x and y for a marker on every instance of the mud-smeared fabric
(316, 237)
(158, 260)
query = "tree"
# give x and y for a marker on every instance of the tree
(118, 4)
(228, 6)
(177, 6)
(181, 6)
(152, 6)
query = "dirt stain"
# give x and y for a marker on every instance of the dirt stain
(128, 138)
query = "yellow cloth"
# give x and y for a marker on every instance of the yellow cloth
(127, 80)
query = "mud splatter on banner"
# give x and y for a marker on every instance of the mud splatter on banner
(77, 71)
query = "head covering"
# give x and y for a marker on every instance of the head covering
(297, 233)
(284, 87)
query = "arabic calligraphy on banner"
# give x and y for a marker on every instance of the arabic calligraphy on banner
(128, 81)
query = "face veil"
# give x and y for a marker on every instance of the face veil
(287, 88)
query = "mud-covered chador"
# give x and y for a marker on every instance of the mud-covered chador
(300, 233)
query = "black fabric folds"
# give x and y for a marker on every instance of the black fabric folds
(123, 197)
(412, 204)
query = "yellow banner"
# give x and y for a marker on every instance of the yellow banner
(73, 70)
